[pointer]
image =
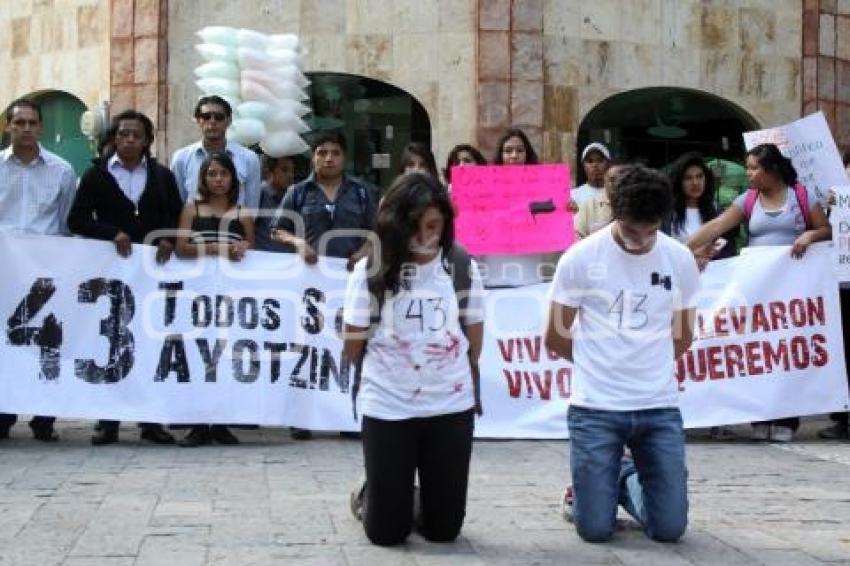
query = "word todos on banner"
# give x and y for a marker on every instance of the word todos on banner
(314, 367)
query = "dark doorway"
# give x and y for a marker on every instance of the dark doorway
(377, 119)
(656, 125)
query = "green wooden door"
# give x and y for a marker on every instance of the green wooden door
(61, 134)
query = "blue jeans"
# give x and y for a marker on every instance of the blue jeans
(652, 486)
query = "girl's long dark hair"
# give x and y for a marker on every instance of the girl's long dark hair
(530, 154)
(706, 203)
(454, 158)
(772, 161)
(423, 152)
(398, 218)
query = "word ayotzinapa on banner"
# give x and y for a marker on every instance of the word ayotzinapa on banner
(840, 219)
(513, 209)
(191, 341)
(809, 144)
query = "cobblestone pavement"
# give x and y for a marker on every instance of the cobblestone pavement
(274, 501)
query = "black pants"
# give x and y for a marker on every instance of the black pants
(7, 420)
(844, 417)
(439, 448)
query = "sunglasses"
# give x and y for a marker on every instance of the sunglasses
(217, 116)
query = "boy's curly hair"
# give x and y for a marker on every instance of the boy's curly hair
(641, 194)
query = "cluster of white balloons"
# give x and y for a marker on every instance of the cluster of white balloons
(261, 76)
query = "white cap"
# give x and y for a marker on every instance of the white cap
(596, 146)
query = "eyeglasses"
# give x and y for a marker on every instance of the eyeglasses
(217, 116)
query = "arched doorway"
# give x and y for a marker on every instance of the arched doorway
(656, 125)
(377, 119)
(60, 112)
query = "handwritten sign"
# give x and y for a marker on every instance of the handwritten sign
(809, 145)
(513, 209)
(840, 219)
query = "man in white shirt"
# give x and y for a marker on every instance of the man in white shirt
(629, 289)
(594, 159)
(213, 115)
(36, 189)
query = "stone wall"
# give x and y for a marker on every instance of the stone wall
(425, 47)
(745, 51)
(138, 61)
(826, 64)
(54, 45)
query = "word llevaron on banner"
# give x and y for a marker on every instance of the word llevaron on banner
(258, 342)
(261, 78)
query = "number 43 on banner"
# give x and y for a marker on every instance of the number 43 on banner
(48, 337)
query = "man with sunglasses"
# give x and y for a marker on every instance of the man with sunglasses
(127, 197)
(213, 115)
(36, 188)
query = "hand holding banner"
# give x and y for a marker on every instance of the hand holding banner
(809, 145)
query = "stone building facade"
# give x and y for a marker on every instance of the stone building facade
(55, 45)
(476, 66)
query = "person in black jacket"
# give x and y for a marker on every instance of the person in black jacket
(127, 197)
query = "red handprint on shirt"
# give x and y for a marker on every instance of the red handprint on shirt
(441, 355)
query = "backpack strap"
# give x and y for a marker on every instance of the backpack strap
(801, 194)
(803, 200)
(460, 263)
(750, 203)
(299, 196)
(364, 199)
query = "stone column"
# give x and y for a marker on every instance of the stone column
(139, 60)
(826, 64)
(510, 70)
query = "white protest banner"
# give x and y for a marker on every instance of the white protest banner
(768, 345)
(90, 335)
(840, 219)
(809, 144)
(768, 340)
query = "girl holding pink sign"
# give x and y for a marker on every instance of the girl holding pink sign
(514, 148)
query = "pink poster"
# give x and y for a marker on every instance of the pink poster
(513, 209)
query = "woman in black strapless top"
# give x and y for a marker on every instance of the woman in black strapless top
(214, 225)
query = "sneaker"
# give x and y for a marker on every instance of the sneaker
(838, 431)
(222, 435)
(156, 435)
(761, 431)
(721, 433)
(104, 435)
(299, 433)
(198, 436)
(567, 501)
(779, 433)
(44, 433)
(357, 499)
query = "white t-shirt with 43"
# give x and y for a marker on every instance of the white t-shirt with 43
(416, 362)
(623, 347)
